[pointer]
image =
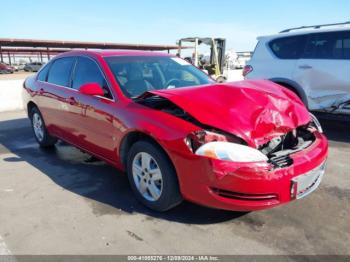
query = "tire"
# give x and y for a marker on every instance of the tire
(221, 79)
(158, 191)
(41, 134)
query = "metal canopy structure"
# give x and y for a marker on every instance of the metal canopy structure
(11, 47)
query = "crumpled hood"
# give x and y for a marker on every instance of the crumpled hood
(255, 110)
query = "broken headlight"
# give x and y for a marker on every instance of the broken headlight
(222, 146)
(199, 138)
(315, 123)
(231, 152)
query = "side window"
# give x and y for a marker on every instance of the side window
(43, 73)
(346, 46)
(288, 47)
(334, 45)
(87, 71)
(60, 71)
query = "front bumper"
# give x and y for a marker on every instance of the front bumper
(247, 186)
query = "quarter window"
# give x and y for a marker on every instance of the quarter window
(288, 47)
(43, 73)
(60, 71)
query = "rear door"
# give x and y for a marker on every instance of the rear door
(95, 123)
(55, 93)
(323, 70)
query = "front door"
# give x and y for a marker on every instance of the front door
(95, 123)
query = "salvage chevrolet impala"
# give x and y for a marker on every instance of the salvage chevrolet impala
(241, 146)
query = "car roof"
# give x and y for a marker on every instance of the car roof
(109, 53)
(306, 32)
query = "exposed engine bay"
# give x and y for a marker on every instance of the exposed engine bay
(165, 105)
(277, 150)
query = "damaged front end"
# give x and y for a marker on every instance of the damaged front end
(221, 145)
(276, 152)
(279, 149)
(240, 146)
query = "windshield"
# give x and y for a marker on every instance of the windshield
(138, 74)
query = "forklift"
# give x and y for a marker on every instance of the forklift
(215, 65)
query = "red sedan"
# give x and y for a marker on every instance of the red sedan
(6, 69)
(244, 146)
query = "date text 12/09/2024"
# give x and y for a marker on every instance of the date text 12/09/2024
(174, 258)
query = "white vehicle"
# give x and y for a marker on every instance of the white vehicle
(312, 61)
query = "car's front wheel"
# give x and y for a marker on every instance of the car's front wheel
(40, 131)
(152, 177)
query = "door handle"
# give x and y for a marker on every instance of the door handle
(305, 67)
(71, 100)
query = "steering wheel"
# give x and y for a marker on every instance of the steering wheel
(172, 82)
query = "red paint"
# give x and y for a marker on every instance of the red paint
(92, 89)
(246, 70)
(256, 111)
(6, 68)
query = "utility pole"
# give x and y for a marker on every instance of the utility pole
(1, 57)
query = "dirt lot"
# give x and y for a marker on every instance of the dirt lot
(54, 202)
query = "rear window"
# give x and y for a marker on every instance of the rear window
(335, 45)
(60, 71)
(288, 47)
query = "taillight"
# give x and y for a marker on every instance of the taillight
(247, 69)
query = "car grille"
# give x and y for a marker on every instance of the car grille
(281, 161)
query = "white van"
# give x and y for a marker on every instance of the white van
(312, 61)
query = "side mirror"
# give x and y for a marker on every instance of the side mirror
(91, 89)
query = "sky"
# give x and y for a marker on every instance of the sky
(163, 21)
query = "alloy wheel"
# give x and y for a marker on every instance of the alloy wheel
(147, 176)
(38, 127)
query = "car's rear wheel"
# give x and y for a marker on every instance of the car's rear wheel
(40, 131)
(152, 177)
